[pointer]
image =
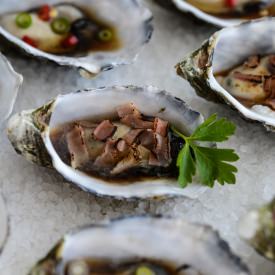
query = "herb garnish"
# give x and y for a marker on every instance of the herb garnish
(210, 163)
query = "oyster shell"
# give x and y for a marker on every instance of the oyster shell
(114, 13)
(143, 242)
(3, 224)
(10, 82)
(258, 229)
(216, 12)
(29, 132)
(219, 54)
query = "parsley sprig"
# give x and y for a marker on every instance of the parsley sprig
(210, 164)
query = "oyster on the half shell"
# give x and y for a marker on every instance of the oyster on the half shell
(258, 229)
(226, 13)
(142, 245)
(113, 141)
(90, 35)
(223, 71)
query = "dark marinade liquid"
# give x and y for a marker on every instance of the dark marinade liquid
(58, 138)
(95, 45)
(108, 267)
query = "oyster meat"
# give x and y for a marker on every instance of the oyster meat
(87, 34)
(114, 141)
(258, 229)
(225, 13)
(240, 74)
(253, 82)
(142, 245)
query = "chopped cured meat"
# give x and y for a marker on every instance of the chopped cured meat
(128, 109)
(104, 130)
(160, 127)
(252, 61)
(137, 123)
(77, 148)
(147, 139)
(132, 135)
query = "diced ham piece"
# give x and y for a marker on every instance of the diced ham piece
(132, 135)
(109, 158)
(161, 127)
(147, 139)
(248, 77)
(269, 86)
(128, 109)
(136, 122)
(162, 150)
(123, 147)
(253, 61)
(77, 147)
(104, 130)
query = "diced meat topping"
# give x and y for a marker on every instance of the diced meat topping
(115, 147)
(104, 130)
(76, 146)
(253, 61)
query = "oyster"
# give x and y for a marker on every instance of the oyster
(226, 13)
(142, 245)
(100, 138)
(10, 82)
(258, 229)
(223, 71)
(87, 34)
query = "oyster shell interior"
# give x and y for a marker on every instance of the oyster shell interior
(93, 36)
(64, 29)
(142, 245)
(227, 13)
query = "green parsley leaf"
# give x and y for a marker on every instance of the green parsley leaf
(209, 163)
(186, 166)
(214, 130)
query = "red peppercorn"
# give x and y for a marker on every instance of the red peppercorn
(30, 41)
(44, 13)
(70, 41)
(231, 3)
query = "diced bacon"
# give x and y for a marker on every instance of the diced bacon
(160, 126)
(77, 147)
(269, 86)
(123, 147)
(248, 77)
(109, 158)
(147, 139)
(162, 150)
(132, 135)
(128, 109)
(104, 130)
(137, 123)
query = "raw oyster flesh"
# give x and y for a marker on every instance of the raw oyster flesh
(128, 145)
(233, 8)
(253, 82)
(62, 29)
(258, 229)
(142, 246)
